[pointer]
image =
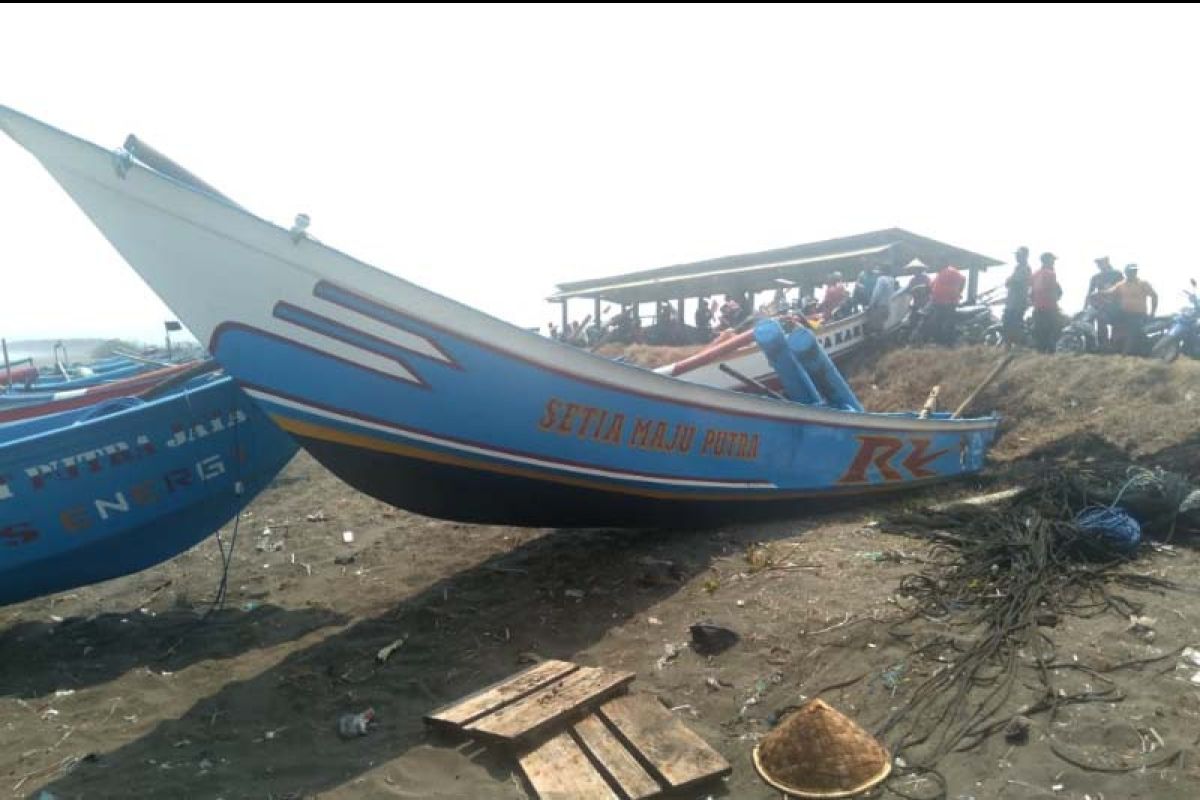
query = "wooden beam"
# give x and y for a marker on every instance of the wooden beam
(676, 753)
(492, 698)
(972, 285)
(555, 703)
(559, 770)
(621, 766)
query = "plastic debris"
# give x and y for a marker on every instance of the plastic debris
(1017, 730)
(385, 653)
(670, 653)
(1142, 627)
(573, 593)
(709, 639)
(316, 516)
(1191, 656)
(348, 537)
(892, 676)
(351, 726)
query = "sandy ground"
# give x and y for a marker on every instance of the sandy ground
(120, 690)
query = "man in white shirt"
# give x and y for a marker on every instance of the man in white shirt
(880, 306)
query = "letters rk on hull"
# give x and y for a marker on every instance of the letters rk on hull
(89, 495)
(433, 406)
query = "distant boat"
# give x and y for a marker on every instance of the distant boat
(83, 378)
(432, 406)
(114, 488)
(23, 405)
(840, 338)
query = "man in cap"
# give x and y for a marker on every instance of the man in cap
(1045, 293)
(918, 287)
(1131, 295)
(1017, 301)
(1105, 278)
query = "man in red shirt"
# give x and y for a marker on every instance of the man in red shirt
(1045, 293)
(835, 297)
(944, 295)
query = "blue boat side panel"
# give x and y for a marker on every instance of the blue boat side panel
(461, 410)
(96, 498)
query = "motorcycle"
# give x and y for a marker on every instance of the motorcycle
(1080, 334)
(998, 336)
(1183, 336)
(971, 324)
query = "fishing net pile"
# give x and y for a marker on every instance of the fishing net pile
(999, 577)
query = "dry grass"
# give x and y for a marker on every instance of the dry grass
(1139, 405)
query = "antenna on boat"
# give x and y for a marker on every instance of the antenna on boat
(160, 163)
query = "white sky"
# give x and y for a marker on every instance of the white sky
(488, 153)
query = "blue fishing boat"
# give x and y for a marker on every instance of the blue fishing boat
(435, 407)
(110, 489)
(82, 380)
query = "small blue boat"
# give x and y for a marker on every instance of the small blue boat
(111, 489)
(432, 406)
(81, 381)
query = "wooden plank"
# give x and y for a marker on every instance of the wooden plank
(552, 704)
(466, 710)
(675, 752)
(559, 770)
(615, 759)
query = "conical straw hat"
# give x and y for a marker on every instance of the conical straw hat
(818, 752)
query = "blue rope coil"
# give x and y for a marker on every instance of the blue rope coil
(1112, 525)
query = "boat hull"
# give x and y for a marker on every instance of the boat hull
(433, 406)
(102, 496)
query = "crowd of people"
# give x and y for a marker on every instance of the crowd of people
(1118, 303)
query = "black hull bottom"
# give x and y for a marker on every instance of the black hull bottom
(463, 494)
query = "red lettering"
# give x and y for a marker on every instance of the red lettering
(614, 430)
(877, 451)
(547, 422)
(177, 478)
(564, 426)
(588, 413)
(74, 519)
(641, 432)
(916, 461)
(18, 534)
(660, 436)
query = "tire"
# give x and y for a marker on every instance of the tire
(1167, 349)
(1071, 343)
(994, 337)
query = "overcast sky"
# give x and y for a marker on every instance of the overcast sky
(488, 153)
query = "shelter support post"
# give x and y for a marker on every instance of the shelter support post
(972, 285)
